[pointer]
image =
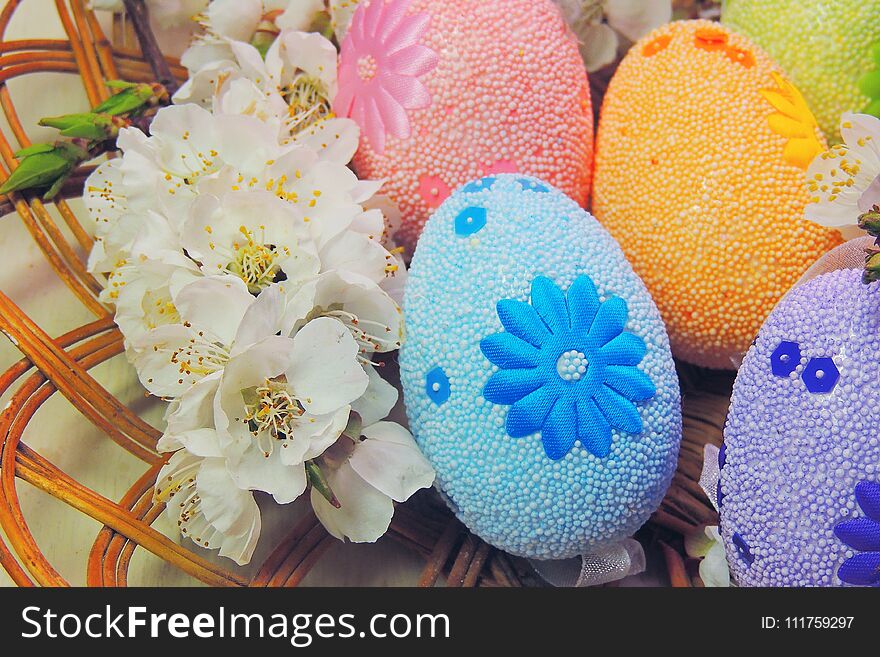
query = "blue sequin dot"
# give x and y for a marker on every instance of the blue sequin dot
(437, 385)
(785, 358)
(470, 220)
(820, 375)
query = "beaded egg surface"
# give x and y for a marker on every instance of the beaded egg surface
(445, 92)
(697, 182)
(800, 468)
(536, 372)
(825, 46)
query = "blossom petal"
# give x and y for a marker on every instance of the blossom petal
(527, 415)
(193, 409)
(871, 196)
(231, 510)
(509, 386)
(635, 18)
(559, 432)
(630, 382)
(609, 321)
(390, 461)
(583, 302)
(215, 303)
(619, 411)
(235, 19)
(201, 442)
(226, 517)
(594, 431)
(415, 60)
(509, 352)
(862, 569)
(324, 370)
(549, 301)
(255, 471)
(868, 497)
(522, 320)
(598, 46)
(157, 361)
(263, 319)
(625, 349)
(364, 513)
(861, 132)
(378, 399)
(835, 214)
(862, 534)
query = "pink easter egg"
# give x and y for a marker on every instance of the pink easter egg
(446, 92)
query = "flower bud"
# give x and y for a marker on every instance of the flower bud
(870, 221)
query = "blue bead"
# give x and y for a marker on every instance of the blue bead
(470, 220)
(437, 385)
(785, 358)
(820, 375)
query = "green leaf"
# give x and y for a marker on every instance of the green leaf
(873, 108)
(86, 126)
(120, 84)
(43, 168)
(33, 150)
(127, 100)
(319, 483)
(56, 186)
(869, 84)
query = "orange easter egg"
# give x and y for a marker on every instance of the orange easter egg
(700, 159)
(447, 92)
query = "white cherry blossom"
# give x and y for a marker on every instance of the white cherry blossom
(366, 477)
(844, 182)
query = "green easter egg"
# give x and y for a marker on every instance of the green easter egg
(827, 47)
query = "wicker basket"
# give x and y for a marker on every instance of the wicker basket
(62, 364)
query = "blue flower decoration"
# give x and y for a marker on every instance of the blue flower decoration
(568, 368)
(863, 535)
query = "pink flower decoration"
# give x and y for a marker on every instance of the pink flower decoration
(380, 63)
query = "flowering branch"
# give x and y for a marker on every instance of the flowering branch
(91, 134)
(140, 21)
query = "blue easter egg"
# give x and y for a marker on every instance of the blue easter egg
(800, 475)
(536, 371)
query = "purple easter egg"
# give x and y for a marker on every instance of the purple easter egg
(801, 475)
